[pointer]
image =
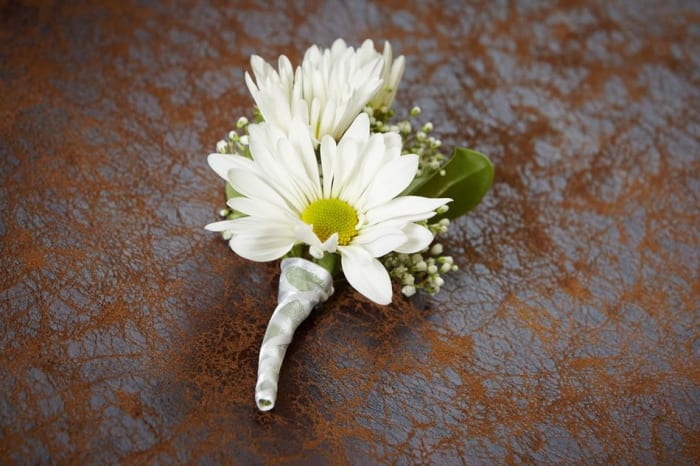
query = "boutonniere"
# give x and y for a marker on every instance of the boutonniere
(325, 180)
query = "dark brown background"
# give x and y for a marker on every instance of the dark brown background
(569, 335)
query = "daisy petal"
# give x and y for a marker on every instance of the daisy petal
(261, 247)
(306, 235)
(223, 225)
(392, 179)
(359, 129)
(331, 244)
(405, 209)
(328, 157)
(254, 186)
(222, 163)
(417, 239)
(252, 87)
(393, 144)
(379, 241)
(259, 208)
(366, 274)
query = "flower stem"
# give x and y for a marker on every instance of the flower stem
(329, 261)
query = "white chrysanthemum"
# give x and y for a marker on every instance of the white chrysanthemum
(349, 207)
(328, 90)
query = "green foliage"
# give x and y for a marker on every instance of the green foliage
(466, 178)
(330, 262)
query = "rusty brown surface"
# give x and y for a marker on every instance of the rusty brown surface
(570, 334)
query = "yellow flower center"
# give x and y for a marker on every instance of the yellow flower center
(330, 216)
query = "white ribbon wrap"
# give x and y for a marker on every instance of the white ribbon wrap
(302, 286)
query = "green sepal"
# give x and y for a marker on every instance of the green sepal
(467, 178)
(296, 251)
(329, 261)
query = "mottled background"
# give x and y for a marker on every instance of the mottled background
(569, 335)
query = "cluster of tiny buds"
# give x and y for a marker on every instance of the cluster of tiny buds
(422, 270)
(235, 143)
(439, 227)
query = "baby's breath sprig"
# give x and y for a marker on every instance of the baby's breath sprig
(235, 143)
(422, 270)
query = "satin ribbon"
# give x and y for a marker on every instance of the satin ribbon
(302, 286)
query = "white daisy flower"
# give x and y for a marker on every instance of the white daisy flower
(351, 206)
(328, 90)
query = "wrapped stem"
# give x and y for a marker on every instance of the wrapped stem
(302, 286)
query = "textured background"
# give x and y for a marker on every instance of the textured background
(569, 335)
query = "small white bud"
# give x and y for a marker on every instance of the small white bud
(436, 250)
(242, 121)
(446, 260)
(408, 290)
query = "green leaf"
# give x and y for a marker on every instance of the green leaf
(329, 261)
(467, 178)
